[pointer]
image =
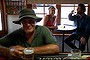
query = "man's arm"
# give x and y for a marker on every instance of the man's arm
(71, 16)
(47, 49)
(86, 35)
(51, 45)
(87, 28)
(14, 52)
(4, 51)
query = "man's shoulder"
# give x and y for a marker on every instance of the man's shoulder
(19, 30)
(87, 17)
(42, 27)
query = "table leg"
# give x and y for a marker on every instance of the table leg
(63, 43)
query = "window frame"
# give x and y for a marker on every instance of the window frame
(4, 30)
(73, 5)
(44, 12)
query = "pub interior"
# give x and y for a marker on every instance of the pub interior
(9, 11)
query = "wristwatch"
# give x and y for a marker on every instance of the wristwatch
(11, 50)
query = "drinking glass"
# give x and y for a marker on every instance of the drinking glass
(28, 54)
(76, 54)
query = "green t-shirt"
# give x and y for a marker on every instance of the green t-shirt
(42, 37)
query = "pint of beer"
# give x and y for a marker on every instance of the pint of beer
(28, 54)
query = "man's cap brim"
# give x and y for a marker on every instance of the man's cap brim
(37, 19)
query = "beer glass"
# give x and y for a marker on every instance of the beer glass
(28, 54)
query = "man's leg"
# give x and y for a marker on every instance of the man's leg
(69, 40)
(82, 47)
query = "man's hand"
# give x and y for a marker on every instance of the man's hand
(82, 40)
(16, 51)
(72, 11)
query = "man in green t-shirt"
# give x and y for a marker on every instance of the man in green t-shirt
(29, 35)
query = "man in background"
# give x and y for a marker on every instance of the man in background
(81, 21)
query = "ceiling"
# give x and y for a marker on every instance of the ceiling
(56, 1)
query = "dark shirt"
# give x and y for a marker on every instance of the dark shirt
(82, 24)
(42, 37)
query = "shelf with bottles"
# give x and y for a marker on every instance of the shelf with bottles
(13, 7)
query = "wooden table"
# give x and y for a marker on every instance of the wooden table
(64, 29)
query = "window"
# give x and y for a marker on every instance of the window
(0, 21)
(42, 9)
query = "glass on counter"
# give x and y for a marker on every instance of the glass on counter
(28, 54)
(76, 53)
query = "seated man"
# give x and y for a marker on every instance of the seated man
(82, 32)
(29, 35)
